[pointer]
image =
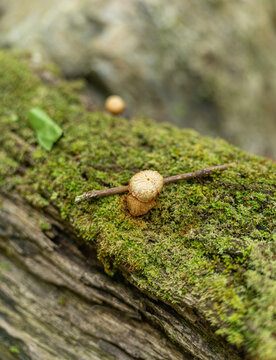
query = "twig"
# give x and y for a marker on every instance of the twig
(197, 173)
(121, 189)
(95, 194)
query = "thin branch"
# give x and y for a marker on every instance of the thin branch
(121, 189)
(197, 173)
(95, 194)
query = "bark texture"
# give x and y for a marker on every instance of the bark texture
(56, 302)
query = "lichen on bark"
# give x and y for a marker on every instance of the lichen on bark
(212, 238)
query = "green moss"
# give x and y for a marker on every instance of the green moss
(44, 225)
(213, 238)
(62, 301)
(3, 267)
(8, 166)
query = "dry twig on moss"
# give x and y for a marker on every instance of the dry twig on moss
(95, 194)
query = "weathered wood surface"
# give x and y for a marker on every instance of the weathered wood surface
(56, 302)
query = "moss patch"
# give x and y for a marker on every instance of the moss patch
(213, 238)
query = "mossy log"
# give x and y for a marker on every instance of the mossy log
(192, 279)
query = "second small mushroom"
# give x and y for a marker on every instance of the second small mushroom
(143, 190)
(115, 104)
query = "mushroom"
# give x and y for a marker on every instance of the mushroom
(136, 207)
(143, 190)
(115, 104)
(145, 186)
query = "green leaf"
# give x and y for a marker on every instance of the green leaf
(47, 131)
(13, 349)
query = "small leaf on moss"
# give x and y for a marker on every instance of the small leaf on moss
(13, 349)
(47, 131)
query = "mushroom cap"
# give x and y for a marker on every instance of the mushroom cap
(146, 185)
(136, 207)
(115, 104)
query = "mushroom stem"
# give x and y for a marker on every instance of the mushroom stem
(121, 189)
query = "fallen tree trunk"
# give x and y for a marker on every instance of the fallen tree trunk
(192, 279)
(56, 301)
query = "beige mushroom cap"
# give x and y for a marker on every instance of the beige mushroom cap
(146, 185)
(115, 104)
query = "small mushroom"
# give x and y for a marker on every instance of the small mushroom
(144, 188)
(115, 104)
(146, 185)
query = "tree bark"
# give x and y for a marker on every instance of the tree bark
(56, 301)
